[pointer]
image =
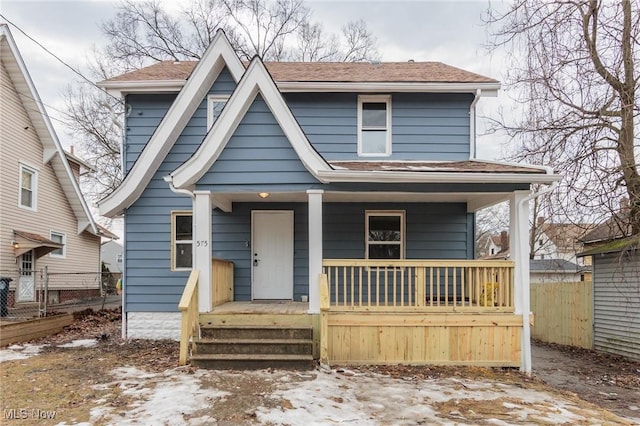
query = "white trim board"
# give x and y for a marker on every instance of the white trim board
(218, 55)
(255, 80)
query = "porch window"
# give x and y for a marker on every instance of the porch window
(215, 103)
(28, 188)
(61, 238)
(385, 234)
(181, 241)
(374, 126)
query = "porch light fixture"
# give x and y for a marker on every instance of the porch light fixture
(15, 245)
(263, 194)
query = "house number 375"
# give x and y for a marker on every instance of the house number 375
(202, 243)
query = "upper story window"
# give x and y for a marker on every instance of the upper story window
(215, 103)
(385, 234)
(374, 126)
(58, 237)
(28, 188)
(181, 241)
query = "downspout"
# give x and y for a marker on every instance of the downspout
(169, 180)
(526, 326)
(472, 124)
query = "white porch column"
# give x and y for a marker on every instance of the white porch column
(519, 246)
(202, 247)
(315, 248)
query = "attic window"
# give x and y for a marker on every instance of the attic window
(374, 126)
(215, 103)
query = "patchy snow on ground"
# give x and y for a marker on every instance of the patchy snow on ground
(81, 343)
(172, 397)
(369, 399)
(16, 352)
(183, 397)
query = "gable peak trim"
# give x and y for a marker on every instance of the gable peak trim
(219, 54)
(256, 80)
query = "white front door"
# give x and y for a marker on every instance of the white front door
(26, 283)
(272, 254)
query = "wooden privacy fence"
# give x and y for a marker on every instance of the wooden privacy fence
(563, 312)
(431, 285)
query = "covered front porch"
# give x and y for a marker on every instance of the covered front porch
(447, 312)
(371, 311)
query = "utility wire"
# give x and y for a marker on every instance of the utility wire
(59, 59)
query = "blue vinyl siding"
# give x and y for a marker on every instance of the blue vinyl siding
(425, 126)
(258, 153)
(146, 111)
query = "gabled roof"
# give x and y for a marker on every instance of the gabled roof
(560, 266)
(322, 76)
(566, 236)
(255, 80)
(365, 72)
(218, 55)
(53, 152)
(617, 226)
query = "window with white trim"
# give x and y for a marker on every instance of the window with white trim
(60, 238)
(385, 234)
(181, 241)
(28, 188)
(215, 103)
(374, 125)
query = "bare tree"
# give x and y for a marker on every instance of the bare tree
(576, 78)
(144, 32)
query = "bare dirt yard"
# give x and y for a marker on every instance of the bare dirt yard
(88, 375)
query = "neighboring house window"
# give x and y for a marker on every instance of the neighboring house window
(215, 103)
(181, 240)
(119, 258)
(493, 251)
(58, 237)
(28, 188)
(374, 126)
(385, 234)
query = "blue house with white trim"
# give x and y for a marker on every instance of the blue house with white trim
(345, 192)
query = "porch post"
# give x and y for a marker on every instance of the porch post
(519, 246)
(202, 247)
(315, 248)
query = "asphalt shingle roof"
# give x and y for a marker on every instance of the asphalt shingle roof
(351, 72)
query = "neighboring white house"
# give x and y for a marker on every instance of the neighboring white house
(556, 271)
(111, 254)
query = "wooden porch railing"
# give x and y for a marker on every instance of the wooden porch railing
(189, 307)
(425, 285)
(222, 276)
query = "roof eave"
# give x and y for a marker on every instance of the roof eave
(435, 177)
(489, 89)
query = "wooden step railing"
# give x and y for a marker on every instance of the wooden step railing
(189, 308)
(433, 285)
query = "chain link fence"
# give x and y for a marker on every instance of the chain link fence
(27, 294)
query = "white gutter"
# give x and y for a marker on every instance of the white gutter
(434, 177)
(472, 125)
(526, 326)
(119, 88)
(181, 191)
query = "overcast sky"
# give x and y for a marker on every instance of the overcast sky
(447, 31)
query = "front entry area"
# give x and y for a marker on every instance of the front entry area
(272, 254)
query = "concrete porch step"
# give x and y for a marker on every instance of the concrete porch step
(254, 346)
(256, 332)
(252, 361)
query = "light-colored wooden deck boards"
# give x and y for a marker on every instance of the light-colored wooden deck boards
(263, 307)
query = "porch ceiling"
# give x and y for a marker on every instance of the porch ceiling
(475, 201)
